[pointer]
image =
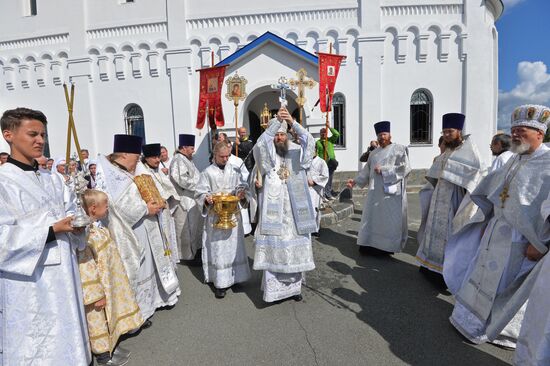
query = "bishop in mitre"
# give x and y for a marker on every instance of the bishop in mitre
(41, 308)
(453, 174)
(184, 175)
(384, 221)
(286, 217)
(506, 239)
(224, 258)
(135, 226)
(151, 160)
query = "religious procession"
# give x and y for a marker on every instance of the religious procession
(93, 246)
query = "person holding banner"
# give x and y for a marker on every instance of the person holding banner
(325, 149)
(286, 217)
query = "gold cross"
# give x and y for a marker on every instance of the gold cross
(503, 196)
(302, 83)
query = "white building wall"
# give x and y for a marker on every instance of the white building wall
(146, 52)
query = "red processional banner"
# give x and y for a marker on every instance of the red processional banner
(210, 104)
(329, 66)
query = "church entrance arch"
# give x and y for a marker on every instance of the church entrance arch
(254, 105)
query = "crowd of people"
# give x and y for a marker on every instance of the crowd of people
(484, 232)
(69, 291)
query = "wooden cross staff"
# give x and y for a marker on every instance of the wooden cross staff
(71, 129)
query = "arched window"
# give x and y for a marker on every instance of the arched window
(421, 117)
(135, 124)
(339, 117)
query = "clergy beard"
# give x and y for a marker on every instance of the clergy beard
(520, 148)
(281, 148)
(453, 144)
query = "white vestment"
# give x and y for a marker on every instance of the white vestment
(41, 306)
(384, 219)
(318, 173)
(533, 345)
(283, 240)
(453, 174)
(224, 258)
(501, 160)
(184, 175)
(487, 257)
(239, 164)
(139, 239)
(166, 218)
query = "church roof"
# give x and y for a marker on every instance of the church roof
(268, 37)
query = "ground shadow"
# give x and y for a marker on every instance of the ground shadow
(400, 304)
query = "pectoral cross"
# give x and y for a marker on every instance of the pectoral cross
(302, 83)
(283, 86)
(503, 196)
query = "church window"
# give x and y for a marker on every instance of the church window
(339, 117)
(29, 8)
(421, 117)
(135, 123)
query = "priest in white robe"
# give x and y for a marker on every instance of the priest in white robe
(454, 174)
(384, 221)
(317, 178)
(184, 175)
(41, 304)
(224, 258)
(500, 147)
(533, 345)
(511, 237)
(286, 217)
(135, 227)
(151, 161)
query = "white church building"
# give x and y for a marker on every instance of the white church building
(134, 66)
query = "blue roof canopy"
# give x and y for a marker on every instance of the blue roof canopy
(264, 38)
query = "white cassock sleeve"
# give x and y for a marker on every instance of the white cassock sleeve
(21, 246)
(393, 174)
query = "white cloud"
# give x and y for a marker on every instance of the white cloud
(533, 88)
(510, 3)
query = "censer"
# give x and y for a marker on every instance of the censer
(80, 219)
(225, 206)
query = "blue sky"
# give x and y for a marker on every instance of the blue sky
(524, 55)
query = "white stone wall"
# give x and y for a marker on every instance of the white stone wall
(147, 52)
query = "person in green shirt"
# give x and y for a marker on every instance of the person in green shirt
(330, 156)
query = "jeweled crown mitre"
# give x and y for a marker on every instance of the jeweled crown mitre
(530, 115)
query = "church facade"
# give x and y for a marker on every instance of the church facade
(134, 62)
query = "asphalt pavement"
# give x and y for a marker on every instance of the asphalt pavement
(357, 310)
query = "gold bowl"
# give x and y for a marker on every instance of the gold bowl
(225, 206)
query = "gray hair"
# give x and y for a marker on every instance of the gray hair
(504, 139)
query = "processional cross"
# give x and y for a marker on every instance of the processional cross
(302, 83)
(283, 85)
